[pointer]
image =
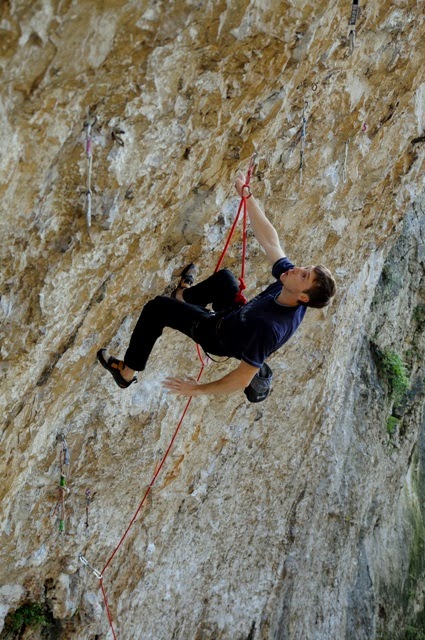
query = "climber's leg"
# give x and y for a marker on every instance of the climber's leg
(157, 314)
(219, 290)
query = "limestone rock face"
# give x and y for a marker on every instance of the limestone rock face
(303, 517)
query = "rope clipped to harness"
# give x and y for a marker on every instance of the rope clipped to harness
(246, 194)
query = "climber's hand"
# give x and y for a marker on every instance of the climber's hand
(239, 185)
(181, 387)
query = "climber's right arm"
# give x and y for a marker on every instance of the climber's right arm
(263, 229)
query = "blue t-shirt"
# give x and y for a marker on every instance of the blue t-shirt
(252, 332)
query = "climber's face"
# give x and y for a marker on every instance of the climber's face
(298, 280)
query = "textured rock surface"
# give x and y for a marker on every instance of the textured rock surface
(301, 518)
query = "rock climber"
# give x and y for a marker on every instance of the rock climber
(249, 333)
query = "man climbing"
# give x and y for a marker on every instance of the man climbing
(249, 333)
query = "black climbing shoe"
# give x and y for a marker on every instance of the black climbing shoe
(187, 278)
(114, 367)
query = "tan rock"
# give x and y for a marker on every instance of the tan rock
(276, 521)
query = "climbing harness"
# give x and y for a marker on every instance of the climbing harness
(302, 147)
(64, 462)
(352, 24)
(88, 126)
(344, 166)
(246, 193)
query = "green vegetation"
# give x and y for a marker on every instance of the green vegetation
(28, 615)
(412, 633)
(392, 424)
(394, 370)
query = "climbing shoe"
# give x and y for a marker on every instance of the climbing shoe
(114, 367)
(187, 278)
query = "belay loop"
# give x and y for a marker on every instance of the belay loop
(240, 298)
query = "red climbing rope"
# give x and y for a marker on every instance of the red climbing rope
(154, 477)
(239, 298)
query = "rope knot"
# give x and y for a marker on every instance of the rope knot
(240, 298)
(246, 186)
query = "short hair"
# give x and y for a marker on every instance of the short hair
(322, 290)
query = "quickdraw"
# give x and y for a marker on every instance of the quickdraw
(117, 134)
(87, 564)
(302, 147)
(64, 462)
(89, 500)
(344, 166)
(352, 24)
(88, 126)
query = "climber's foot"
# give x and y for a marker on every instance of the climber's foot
(115, 367)
(187, 278)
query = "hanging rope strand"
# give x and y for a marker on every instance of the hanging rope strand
(240, 298)
(244, 239)
(108, 611)
(229, 237)
(154, 477)
(152, 482)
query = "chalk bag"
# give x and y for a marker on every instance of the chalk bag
(260, 386)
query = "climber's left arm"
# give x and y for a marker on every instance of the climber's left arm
(237, 379)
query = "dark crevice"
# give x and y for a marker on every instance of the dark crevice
(251, 633)
(292, 518)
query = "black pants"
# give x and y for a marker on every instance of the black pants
(190, 317)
